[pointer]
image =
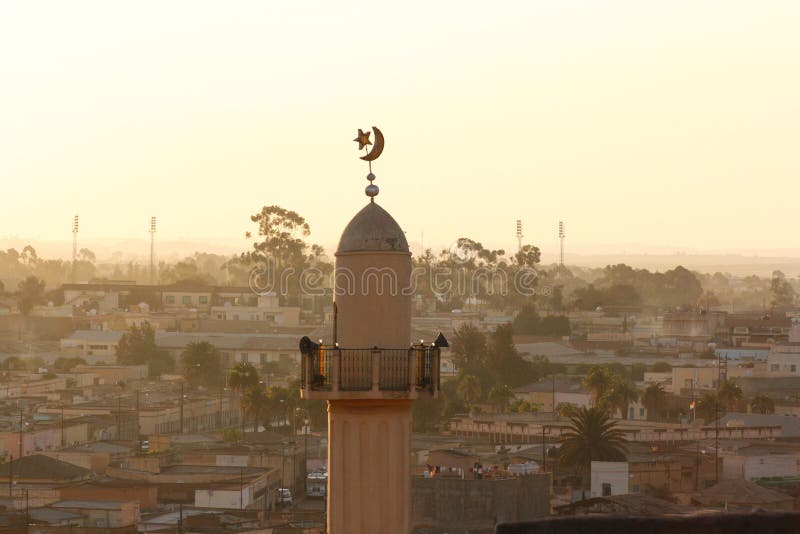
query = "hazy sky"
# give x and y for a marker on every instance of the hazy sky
(643, 125)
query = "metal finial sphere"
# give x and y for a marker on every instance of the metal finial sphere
(372, 190)
(370, 177)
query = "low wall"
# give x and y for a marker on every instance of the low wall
(457, 503)
(727, 523)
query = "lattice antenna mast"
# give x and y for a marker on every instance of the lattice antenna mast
(152, 250)
(74, 245)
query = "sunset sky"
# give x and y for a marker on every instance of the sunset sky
(645, 126)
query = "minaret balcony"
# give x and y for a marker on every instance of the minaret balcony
(332, 372)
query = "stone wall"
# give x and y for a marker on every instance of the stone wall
(470, 503)
(727, 523)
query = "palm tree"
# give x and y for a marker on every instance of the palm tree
(243, 378)
(469, 387)
(653, 399)
(592, 436)
(729, 394)
(598, 380)
(762, 404)
(566, 409)
(621, 395)
(500, 396)
(255, 402)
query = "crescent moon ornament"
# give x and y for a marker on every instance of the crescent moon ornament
(377, 147)
(363, 141)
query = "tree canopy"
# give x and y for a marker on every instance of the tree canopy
(138, 346)
(31, 293)
(202, 364)
(528, 322)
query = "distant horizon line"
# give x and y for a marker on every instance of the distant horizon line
(217, 245)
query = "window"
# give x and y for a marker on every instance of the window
(794, 368)
(635, 488)
(774, 367)
(606, 489)
(203, 299)
(170, 299)
(641, 412)
(187, 299)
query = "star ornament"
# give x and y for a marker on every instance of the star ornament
(362, 139)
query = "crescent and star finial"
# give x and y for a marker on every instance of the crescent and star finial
(363, 140)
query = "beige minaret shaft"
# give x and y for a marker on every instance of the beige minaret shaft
(369, 476)
(369, 440)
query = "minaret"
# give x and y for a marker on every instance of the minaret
(370, 373)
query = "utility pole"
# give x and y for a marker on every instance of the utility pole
(181, 423)
(63, 439)
(693, 406)
(544, 453)
(561, 236)
(10, 475)
(307, 422)
(716, 421)
(519, 235)
(138, 425)
(266, 505)
(180, 518)
(294, 465)
(21, 434)
(697, 467)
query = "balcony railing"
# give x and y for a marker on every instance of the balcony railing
(333, 368)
